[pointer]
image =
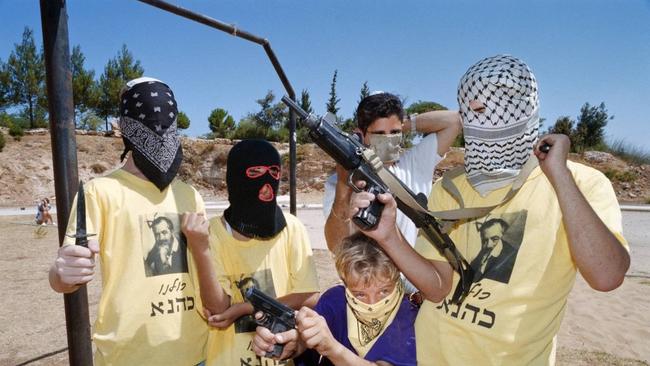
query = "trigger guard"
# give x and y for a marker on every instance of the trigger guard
(351, 183)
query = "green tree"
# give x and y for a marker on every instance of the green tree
(221, 123)
(26, 76)
(4, 86)
(590, 129)
(332, 103)
(305, 101)
(90, 121)
(424, 106)
(85, 93)
(270, 115)
(247, 128)
(563, 125)
(183, 121)
(365, 92)
(302, 131)
(117, 72)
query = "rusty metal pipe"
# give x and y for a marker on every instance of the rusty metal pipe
(54, 22)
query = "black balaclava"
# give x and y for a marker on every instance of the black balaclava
(148, 125)
(253, 177)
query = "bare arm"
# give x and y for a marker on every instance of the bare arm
(598, 254)
(446, 124)
(195, 228)
(338, 225)
(298, 300)
(432, 278)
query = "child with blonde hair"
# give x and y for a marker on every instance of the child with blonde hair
(366, 321)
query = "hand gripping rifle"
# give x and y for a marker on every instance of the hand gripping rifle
(276, 316)
(363, 164)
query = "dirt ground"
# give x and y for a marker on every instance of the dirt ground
(33, 321)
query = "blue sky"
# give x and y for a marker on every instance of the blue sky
(580, 51)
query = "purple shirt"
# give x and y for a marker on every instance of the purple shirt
(396, 345)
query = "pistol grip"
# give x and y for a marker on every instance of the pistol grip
(277, 351)
(368, 218)
(275, 327)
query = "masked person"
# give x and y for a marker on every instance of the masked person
(381, 123)
(564, 218)
(366, 321)
(253, 244)
(146, 314)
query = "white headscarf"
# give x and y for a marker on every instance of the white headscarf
(499, 141)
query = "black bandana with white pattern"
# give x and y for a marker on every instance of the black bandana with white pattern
(499, 140)
(148, 114)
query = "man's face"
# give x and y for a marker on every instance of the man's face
(492, 237)
(163, 234)
(383, 126)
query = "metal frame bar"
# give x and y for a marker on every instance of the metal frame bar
(54, 21)
(232, 30)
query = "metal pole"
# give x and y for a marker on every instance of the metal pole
(231, 29)
(54, 22)
(292, 126)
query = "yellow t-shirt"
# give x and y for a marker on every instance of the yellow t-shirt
(524, 273)
(146, 314)
(278, 266)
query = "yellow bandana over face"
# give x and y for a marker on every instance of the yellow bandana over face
(366, 322)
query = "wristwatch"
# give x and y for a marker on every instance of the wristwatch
(412, 120)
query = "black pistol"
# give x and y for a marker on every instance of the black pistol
(347, 151)
(276, 316)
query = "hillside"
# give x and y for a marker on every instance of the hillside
(26, 167)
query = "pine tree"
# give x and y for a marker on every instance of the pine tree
(305, 101)
(183, 121)
(221, 123)
(85, 93)
(26, 74)
(365, 92)
(590, 129)
(117, 72)
(332, 103)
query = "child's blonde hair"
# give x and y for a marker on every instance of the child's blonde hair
(360, 258)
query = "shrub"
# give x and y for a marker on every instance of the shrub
(618, 176)
(629, 153)
(16, 131)
(2, 141)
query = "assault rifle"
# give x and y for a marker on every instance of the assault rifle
(362, 164)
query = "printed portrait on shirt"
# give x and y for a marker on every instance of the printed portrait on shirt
(263, 281)
(164, 247)
(500, 238)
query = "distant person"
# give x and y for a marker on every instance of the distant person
(147, 311)
(43, 216)
(368, 320)
(253, 244)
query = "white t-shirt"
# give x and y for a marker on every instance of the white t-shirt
(415, 168)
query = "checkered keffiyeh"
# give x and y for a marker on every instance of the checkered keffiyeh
(499, 140)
